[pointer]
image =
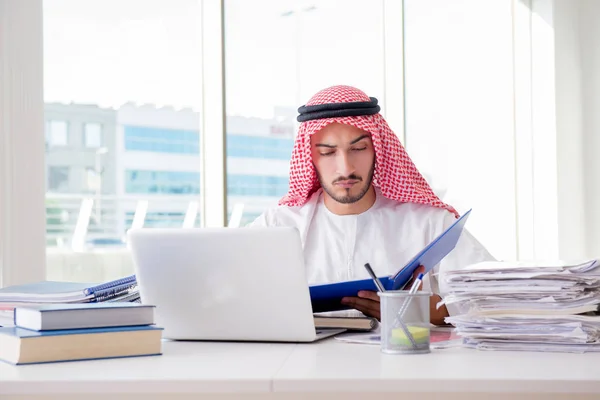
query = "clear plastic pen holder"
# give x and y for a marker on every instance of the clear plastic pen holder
(405, 326)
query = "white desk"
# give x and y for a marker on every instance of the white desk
(325, 370)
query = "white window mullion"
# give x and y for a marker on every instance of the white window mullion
(22, 158)
(545, 168)
(393, 34)
(524, 184)
(214, 197)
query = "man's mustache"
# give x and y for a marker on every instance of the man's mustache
(348, 178)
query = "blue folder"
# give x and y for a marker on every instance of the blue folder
(327, 297)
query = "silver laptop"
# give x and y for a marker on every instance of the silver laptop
(238, 284)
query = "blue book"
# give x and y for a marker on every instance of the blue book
(64, 292)
(328, 296)
(82, 315)
(23, 346)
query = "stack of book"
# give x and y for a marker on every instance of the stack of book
(69, 332)
(51, 292)
(351, 320)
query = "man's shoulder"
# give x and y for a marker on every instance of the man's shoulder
(416, 212)
(427, 219)
(279, 216)
(285, 216)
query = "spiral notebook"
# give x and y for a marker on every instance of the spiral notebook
(66, 292)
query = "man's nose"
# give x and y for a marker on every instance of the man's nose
(344, 165)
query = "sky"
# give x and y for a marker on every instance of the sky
(278, 52)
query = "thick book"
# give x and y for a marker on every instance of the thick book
(66, 292)
(82, 315)
(22, 346)
(349, 323)
(328, 296)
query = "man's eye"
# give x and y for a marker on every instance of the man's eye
(327, 153)
(360, 148)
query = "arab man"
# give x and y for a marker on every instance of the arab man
(356, 197)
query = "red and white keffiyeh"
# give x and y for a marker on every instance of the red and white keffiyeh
(395, 174)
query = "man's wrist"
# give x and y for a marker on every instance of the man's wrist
(437, 315)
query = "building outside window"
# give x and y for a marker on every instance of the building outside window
(58, 179)
(161, 182)
(92, 135)
(57, 133)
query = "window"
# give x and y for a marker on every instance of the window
(93, 135)
(296, 62)
(459, 110)
(273, 148)
(257, 185)
(92, 179)
(123, 78)
(131, 63)
(161, 182)
(160, 140)
(57, 133)
(247, 217)
(159, 219)
(58, 179)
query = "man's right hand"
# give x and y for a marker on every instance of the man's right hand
(368, 302)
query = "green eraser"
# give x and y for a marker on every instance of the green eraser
(420, 335)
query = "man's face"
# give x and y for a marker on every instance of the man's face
(344, 158)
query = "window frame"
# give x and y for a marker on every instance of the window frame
(23, 180)
(213, 181)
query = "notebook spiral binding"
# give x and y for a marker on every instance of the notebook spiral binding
(109, 285)
(106, 294)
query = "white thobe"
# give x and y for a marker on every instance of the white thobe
(387, 236)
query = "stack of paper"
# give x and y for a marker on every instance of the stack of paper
(527, 305)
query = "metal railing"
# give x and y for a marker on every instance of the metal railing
(80, 221)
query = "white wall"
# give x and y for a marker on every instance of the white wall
(569, 127)
(577, 36)
(544, 163)
(589, 31)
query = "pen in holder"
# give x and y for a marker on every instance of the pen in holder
(413, 290)
(409, 334)
(390, 318)
(405, 327)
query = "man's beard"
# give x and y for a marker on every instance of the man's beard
(347, 198)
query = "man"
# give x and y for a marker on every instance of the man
(356, 197)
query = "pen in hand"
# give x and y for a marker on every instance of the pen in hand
(374, 277)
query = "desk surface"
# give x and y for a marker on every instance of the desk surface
(327, 369)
